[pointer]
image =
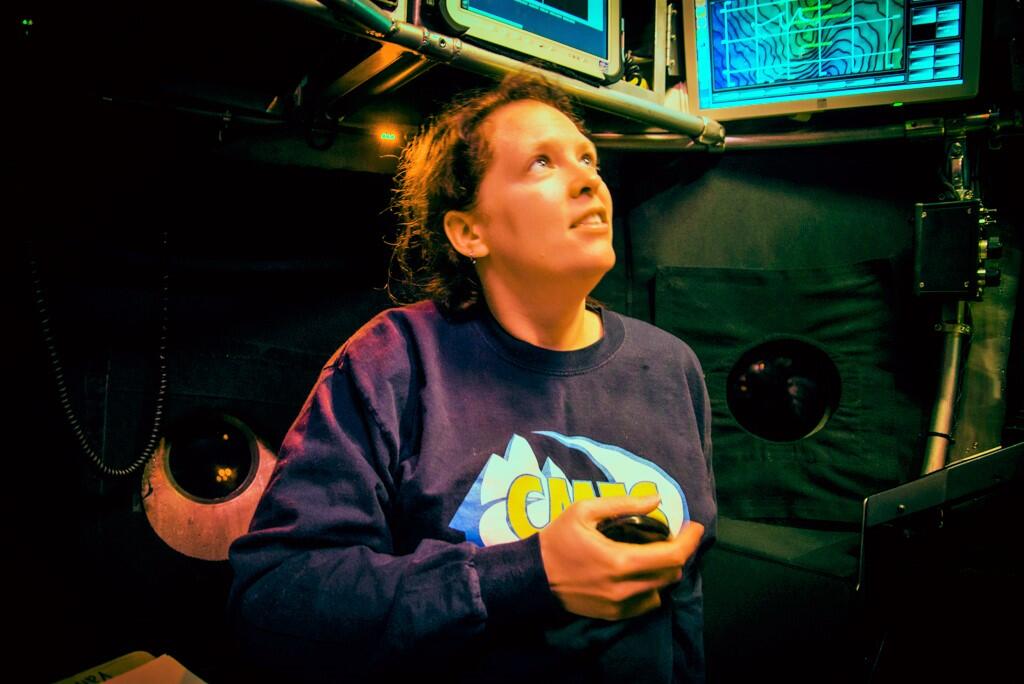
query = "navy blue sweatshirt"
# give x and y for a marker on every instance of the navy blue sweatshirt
(397, 535)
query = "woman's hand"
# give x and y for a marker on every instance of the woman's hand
(596, 577)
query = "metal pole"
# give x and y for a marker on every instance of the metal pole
(455, 52)
(940, 432)
(916, 129)
(364, 13)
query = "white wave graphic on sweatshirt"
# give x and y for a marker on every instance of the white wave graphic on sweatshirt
(513, 497)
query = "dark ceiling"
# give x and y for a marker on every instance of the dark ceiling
(244, 65)
(235, 64)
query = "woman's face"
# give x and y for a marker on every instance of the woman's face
(543, 213)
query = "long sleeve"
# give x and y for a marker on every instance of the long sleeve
(320, 589)
(356, 566)
(688, 660)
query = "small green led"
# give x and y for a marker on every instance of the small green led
(26, 22)
(388, 136)
(897, 104)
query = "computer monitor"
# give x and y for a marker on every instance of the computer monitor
(583, 36)
(754, 58)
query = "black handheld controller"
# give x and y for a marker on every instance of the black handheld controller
(634, 529)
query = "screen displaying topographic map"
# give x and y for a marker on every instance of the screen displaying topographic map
(756, 42)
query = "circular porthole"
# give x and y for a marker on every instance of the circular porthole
(211, 457)
(783, 390)
(203, 484)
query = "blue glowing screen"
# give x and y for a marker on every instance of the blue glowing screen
(765, 51)
(579, 24)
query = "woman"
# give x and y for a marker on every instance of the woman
(435, 507)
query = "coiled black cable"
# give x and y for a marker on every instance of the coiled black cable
(62, 389)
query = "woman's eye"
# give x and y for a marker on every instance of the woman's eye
(541, 161)
(591, 160)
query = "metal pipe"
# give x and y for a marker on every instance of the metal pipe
(385, 70)
(644, 142)
(400, 74)
(940, 432)
(911, 130)
(816, 138)
(363, 13)
(662, 142)
(455, 52)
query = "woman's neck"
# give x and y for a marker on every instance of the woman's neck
(561, 326)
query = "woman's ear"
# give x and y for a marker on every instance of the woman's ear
(461, 230)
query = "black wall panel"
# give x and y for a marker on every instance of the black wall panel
(811, 244)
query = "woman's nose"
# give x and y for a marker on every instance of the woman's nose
(585, 181)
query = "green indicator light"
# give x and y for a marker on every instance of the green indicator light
(388, 136)
(897, 104)
(26, 22)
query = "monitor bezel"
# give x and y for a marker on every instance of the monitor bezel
(966, 90)
(535, 46)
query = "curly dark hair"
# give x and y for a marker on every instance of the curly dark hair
(440, 171)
